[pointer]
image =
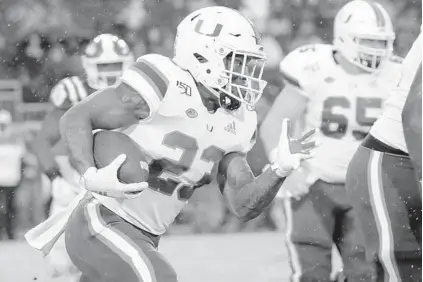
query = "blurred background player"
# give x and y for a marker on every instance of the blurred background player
(103, 59)
(340, 89)
(12, 149)
(383, 188)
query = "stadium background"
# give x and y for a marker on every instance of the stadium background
(39, 43)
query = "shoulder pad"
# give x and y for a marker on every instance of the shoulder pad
(150, 77)
(67, 92)
(298, 65)
(162, 63)
(391, 71)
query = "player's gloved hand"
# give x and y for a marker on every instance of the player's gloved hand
(291, 152)
(104, 181)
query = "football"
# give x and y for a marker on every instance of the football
(107, 145)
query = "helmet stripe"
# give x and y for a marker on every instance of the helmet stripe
(72, 91)
(80, 89)
(59, 96)
(157, 78)
(380, 19)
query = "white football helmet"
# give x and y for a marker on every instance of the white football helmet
(104, 59)
(5, 120)
(360, 21)
(207, 43)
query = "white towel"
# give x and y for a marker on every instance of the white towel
(43, 236)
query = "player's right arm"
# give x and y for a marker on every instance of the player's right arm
(410, 84)
(64, 94)
(110, 108)
(412, 122)
(135, 98)
(291, 102)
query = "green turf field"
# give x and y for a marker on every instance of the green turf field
(254, 257)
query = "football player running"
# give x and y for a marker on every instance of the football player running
(103, 59)
(340, 89)
(382, 184)
(193, 115)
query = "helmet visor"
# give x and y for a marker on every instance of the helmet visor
(372, 51)
(244, 72)
(109, 73)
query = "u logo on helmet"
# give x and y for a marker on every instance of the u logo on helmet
(216, 32)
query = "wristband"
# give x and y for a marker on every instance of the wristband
(90, 170)
(279, 172)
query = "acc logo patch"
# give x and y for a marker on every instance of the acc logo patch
(329, 79)
(191, 113)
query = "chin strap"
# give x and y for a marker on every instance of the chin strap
(209, 97)
(232, 105)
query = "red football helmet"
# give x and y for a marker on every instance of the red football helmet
(104, 59)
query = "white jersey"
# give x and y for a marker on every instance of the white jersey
(183, 139)
(343, 106)
(388, 128)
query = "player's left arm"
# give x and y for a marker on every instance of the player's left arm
(412, 121)
(247, 195)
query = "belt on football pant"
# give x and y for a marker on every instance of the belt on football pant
(372, 143)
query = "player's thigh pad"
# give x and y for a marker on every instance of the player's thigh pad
(58, 259)
(106, 248)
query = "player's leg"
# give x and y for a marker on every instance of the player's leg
(58, 257)
(11, 211)
(350, 242)
(385, 194)
(3, 211)
(309, 228)
(6, 211)
(396, 191)
(106, 248)
(47, 194)
(61, 263)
